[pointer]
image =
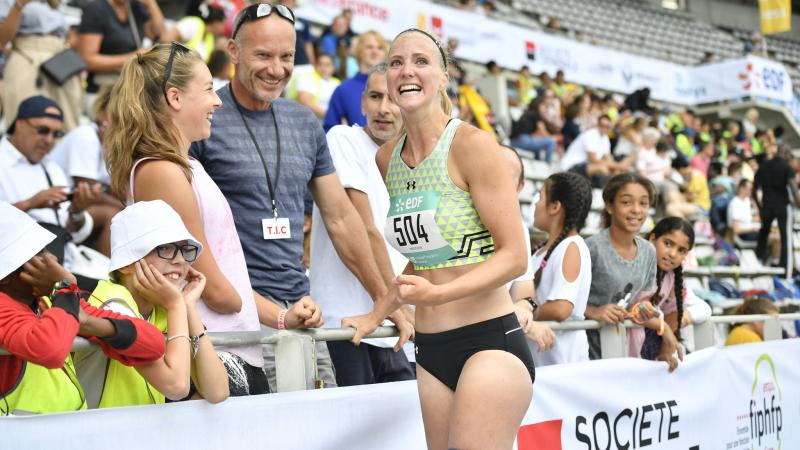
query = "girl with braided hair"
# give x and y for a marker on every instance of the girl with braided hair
(673, 238)
(563, 266)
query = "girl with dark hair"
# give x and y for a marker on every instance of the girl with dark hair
(623, 263)
(673, 238)
(563, 266)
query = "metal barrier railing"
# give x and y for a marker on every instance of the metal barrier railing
(297, 373)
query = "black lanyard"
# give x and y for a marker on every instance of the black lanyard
(260, 152)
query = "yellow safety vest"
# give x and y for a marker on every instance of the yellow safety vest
(40, 390)
(123, 385)
(201, 38)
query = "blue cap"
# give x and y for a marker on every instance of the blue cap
(37, 106)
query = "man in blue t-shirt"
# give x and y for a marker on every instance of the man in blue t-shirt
(264, 153)
(345, 104)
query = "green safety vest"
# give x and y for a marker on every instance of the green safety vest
(201, 37)
(123, 385)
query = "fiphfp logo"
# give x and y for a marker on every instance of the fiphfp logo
(759, 427)
(766, 419)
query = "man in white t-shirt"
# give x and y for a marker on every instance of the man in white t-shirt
(333, 286)
(590, 154)
(80, 155)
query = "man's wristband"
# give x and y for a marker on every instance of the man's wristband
(532, 302)
(282, 319)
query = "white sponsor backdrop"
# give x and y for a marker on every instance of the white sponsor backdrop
(740, 397)
(483, 39)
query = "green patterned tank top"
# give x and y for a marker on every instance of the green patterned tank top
(431, 221)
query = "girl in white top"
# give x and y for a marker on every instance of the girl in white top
(563, 265)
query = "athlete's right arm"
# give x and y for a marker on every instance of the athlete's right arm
(164, 180)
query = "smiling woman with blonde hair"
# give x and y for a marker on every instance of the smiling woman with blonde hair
(162, 103)
(454, 215)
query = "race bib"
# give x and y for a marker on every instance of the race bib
(276, 228)
(411, 228)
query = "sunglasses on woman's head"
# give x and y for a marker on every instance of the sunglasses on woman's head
(259, 10)
(170, 251)
(174, 48)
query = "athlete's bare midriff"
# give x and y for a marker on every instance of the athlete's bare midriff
(480, 306)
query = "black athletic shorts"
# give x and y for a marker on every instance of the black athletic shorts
(444, 354)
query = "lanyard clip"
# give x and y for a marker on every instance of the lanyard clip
(274, 210)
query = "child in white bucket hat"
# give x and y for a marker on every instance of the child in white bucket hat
(39, 376)
(152, 279)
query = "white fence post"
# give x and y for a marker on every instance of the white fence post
(703, 335)
(613, 341)
(772, 329)
(295, 362)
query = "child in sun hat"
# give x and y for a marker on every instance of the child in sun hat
(38, 376)
(152, 279)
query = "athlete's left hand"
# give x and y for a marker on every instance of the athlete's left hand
(405, 328)
(416, 290)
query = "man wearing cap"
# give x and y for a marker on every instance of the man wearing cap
(265, 153)
(38, 376)
(36, 185)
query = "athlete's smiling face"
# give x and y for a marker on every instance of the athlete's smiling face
(416, 71)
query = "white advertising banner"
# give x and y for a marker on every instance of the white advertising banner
(746, 396)
(482, 39)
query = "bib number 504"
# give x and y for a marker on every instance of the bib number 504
(409, 231)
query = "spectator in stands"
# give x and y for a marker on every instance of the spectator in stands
(694, 200)
(335, 41)
(722, 190)
(585, 119)
(38, 375)
(652, 161)
(673, 239)
(492, 68)
(200, 34)
(254, 123)
(750, 332)
(36, 185)
(467, 333)
(750, 123)
(345, 105)
(775, 178)
(623, 263)
(549, 110)
(639, 100)
(80, 156)
(111, 32)
(686, 142)
(219, 64)
(702, 159)
(525, 86)
(304, 52)
(590, 155)
(570, 129)
(150, 162)
(744, 219)
(563, 265)
(564, 90)
(545, 82)
(521, 289)
(629, 140)
(152, 279)
(37, 31)
(315, 88)
(530, 133)
(336, 289)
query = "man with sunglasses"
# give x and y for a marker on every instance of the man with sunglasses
(265, 153)
(36, 185)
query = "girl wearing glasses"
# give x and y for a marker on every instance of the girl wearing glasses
(163, 102)
(456, 217)
(152, 279)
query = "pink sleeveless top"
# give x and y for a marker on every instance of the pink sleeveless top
(223, 242)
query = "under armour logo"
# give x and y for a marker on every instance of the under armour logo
(411, 185)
